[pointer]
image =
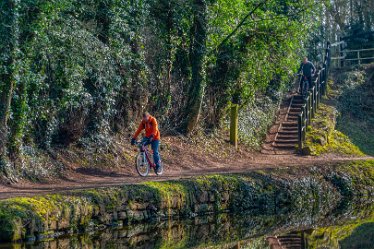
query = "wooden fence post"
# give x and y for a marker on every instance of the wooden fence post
(234, 125)
(300, 134)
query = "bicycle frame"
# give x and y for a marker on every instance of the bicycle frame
(144, 149)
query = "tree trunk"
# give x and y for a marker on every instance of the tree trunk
(17, 126)
(197, 59)
(8, 50)
(169, 64)
(351, 12)
(103, 21)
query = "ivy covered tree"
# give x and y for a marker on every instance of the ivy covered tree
(197, 60)
(9, 75)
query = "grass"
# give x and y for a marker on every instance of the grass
(342, 236)
(362, 237)
(360, 132)
(323, 138)
(346, 125)
(356, 106)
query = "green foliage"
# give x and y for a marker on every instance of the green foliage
(264, 50)
(255, 119)
(83, 70)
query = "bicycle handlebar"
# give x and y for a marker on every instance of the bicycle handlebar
(138, 143)
(141, 143)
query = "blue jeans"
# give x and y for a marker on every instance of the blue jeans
(310, 82)
(155, 145)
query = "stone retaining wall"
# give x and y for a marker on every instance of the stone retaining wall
(272, 191)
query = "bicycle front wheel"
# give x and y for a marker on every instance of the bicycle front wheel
(142, 165)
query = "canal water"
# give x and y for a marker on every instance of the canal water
(353, 229)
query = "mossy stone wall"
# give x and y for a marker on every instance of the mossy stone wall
(271, 191)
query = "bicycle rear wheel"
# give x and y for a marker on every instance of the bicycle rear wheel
(142, 165)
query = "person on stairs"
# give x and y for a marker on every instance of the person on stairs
(308, 70)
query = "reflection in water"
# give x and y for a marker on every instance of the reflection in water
(348, 229)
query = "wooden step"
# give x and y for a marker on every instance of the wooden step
(290, 240)
(297, 105)
(288, 132)
(278, 151)
(295, 244)
(298, 101)
(289, 124)
(285, 146)
(298, 96)
(288, 246)
(292, 118)
(286, 141)
(287, 137)
(296, 109)
(294, 113)
(289, 128)
(288, 235)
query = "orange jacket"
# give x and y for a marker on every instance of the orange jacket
(151, 128)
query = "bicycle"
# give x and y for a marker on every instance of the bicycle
(144, 161)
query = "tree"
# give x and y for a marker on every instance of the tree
(197, 58)
(8, 71)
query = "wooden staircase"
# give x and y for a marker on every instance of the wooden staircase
(282, 138)
(289, 241)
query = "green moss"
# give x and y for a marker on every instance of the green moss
(323, 138)
(169, 191)
(361, 172)
(24, 210)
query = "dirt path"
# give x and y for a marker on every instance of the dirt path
(94, 178)
(182, 157)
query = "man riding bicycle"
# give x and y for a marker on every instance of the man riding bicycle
(152, 136)
(308, 71)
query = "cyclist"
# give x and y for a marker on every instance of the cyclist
(152, 136)
(308, 71)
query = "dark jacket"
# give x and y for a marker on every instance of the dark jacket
(308, 69)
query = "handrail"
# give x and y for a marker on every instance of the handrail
(313, 100)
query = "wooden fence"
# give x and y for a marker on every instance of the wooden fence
(349, 57)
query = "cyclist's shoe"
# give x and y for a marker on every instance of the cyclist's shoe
(157, 169)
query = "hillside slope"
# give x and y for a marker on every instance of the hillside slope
(356, 106)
